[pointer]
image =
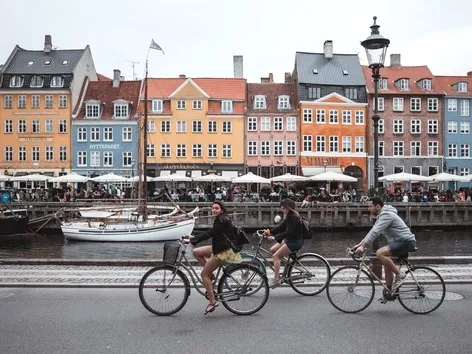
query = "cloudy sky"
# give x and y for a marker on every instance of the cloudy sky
(200, 37)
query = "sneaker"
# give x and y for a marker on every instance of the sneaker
(398, 280)
(274, 283)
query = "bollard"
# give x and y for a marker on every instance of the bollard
(375, 265)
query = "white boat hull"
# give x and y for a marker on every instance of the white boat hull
(127, 232)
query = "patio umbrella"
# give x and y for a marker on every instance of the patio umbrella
(250, 178)
(136, 179)
(405, 177)
(35, 177)
(110, 177)
(332, 177)
(211, 177)
(288, 177)
(174, 177)
(448, 177)
(70, 178)
(4, 178)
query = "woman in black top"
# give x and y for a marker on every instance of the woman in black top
(220, 251)
(289, 235)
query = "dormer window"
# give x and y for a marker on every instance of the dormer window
(315, 71)
(65, 62)
(47, 63)
(403, 85)
(92, 110)
(283, 102)
(226, 106)
(260, 102)
(30, 63)
(462, 87)
(36, 81)
(157, 106)
(345, 72)
(426, 85)
(57, 81)
(16, 81)
(121, 110)
(382, 83)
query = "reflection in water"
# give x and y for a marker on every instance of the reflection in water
(328, 244)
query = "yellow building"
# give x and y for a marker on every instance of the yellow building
(196, 126)
(38, 90)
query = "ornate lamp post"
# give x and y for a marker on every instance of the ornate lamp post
(376, 49)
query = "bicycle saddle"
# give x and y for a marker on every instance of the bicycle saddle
(405, 256)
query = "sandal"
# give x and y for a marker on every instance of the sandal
(211, 307)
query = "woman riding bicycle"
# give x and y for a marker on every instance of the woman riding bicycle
(220, 251)
(289, 235)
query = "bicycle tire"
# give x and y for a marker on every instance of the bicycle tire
(422, 289)
(345, 278)
(255, 278)
(299, 271)
(151, 282)
(253, 260)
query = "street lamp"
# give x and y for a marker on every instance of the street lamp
(376, 49)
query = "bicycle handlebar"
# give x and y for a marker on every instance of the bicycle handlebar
(351, 252)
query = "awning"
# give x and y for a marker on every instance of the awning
(312, 171)
(181, 173)
(21, 174)
(165, 173)
(50, 174)
(196, 174)
(230, 174)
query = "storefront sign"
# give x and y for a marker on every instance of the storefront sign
(103, 146)
(35, 138)
(179, 167)
(321, 161)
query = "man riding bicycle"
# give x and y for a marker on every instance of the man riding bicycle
(399, 237)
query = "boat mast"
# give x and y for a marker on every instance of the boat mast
(143, 151)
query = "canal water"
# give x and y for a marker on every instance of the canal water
(328, 244)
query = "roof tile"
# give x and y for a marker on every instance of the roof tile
(271, 91)
(446, 83)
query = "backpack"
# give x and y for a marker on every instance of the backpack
(240, 238)
(307, 233)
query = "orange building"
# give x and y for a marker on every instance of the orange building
(196, 126)
(333, 137)
(37, 91)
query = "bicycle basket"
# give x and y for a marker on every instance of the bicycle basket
(171, 251)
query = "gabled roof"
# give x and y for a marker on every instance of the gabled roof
(446, 83)
(104, 92)
(413, 73)
(189, 81)
(330, 71)
(23, 61)
(216, 88)
(103, 77)
(271, 91)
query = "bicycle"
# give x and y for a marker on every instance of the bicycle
(298, 270)
(169, 286)
(423, 286)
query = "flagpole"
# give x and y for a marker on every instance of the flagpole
(144, 145)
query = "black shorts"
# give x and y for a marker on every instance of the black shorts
(400, 248)
(294, 244)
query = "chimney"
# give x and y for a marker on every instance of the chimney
(47, 43)
(116, 78)
(328, 49)
(271, 78)
(469, 74)
(182, 76)
(288, 78)
(395, 60)
(238, 66)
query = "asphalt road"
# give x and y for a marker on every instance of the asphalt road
(45, 320)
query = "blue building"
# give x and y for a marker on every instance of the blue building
(457, 126)
(105, 128)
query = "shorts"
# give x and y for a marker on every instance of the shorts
(400, 248)
(294, 244)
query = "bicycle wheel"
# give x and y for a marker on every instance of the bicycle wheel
(309, 274)
(422, 291)
(237, 289)
(253, 260)
(349, 290)
(164, 290)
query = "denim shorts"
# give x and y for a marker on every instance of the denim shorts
(294, 244)
(400, 248)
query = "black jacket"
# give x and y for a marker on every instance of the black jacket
(290, 229)
(221, 226)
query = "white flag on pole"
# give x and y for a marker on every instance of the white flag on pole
(156, 46)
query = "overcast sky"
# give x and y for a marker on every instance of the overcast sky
(200, 37)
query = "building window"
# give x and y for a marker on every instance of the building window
(63, 153)
(227, 127)
(265, 124)
(433, 104)
(398, 126)
(252, 124)
(465, 108)
(81, 134)
(398, 169)
(347, 117)
(227, 106)
(7, 101)
(291, 147)
(121, 111)
(307, 143)
(398, 104)
(81, 158)
(22, 126)
(433, 148)
(35, 153)
(291, 124)
(21, 101)
(126, 134)
(156, 106)
(92, 110)
(320, 116)
(426, 84)
(108, 134)
(36, 81)
(465, 127)
(62, 101)
(452, 127)
(49, 101)
(8, 127)
(127, 159)
(8, 153)
(35, 126)
(381, 127)
(333, 117)
(259, 102)
(35, 103)
(95, 134)
(416, 170)
(181, 104)
(165, 150)
(226, 151)
(360, 144)
(278, 148)
(307, 115)
(415, 104)
(403, 85)
(151, 126)
(150, 150)
(415, 148)
(415, 126)
(181, 126)
(197, 104)
(382, 83)
(320, 143)
(212, 150)
(95, 159)
(22, 153)
(433, 127)
(283, 102)
(465, 150)
(451, 171)
(398, 148)
(108, 159)
(334, 144)
(359, 117)
(181, 150)
(381, 104)
(197, 126)
(57, 81)
(197, 150)
(212, 126)
(252, 148)
(346, 144)
(165, 126)
(16, 81)
(278, 124)
(314, 92)
(381, 148)
(265, 148)
(465, 171)
(49, 126)
(462, 87)
(452, 105)
(350, 93)
(452, 150)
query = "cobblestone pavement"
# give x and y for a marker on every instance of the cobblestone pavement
(129, 276)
